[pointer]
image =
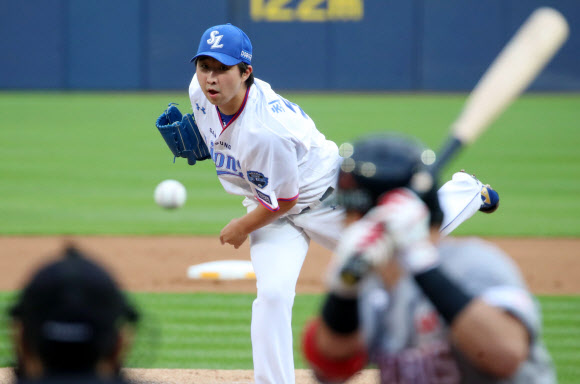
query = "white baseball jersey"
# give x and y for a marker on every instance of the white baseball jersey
(269, 151)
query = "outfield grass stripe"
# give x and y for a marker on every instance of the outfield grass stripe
(194, 299)
(205, 353)
(567, 344)
(564, 300)
(566, 359)
(212, 321)
(572, 371)
(196, 328)
(562, 307)
(207, 339)
(220, 337)
(568, 331)
(561, 320)
(213, 364)
(200, 314)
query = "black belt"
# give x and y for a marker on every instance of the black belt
(325, 196)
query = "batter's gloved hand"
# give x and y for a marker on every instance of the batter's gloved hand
(181, 134)
(363, 246)
(406, 220)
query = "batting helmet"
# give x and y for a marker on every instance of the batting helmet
(377, 164)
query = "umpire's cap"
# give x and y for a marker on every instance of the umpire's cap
(378, 163)
(71, 312)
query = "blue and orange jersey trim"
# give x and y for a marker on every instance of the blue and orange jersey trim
(238, 113)
(290, 198)
(266, 205)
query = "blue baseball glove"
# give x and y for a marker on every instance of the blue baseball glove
(182, 135)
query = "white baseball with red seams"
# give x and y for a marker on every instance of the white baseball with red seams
(170, 194)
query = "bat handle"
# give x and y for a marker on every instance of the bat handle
(451, 147)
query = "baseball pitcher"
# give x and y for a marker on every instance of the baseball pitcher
(267, 149)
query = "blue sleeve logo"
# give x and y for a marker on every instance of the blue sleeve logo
(258, 179)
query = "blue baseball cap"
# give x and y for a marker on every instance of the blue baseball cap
(227, 44)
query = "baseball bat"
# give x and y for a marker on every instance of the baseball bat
(513, 70)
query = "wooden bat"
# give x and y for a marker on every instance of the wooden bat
(513, 70)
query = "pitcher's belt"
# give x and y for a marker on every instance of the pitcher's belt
(324, 196)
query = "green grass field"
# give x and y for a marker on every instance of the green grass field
(211, 331)
(88, 163)
(76, 163)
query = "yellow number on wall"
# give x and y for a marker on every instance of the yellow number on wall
(271, 10)
(307, 11)
(345, 10)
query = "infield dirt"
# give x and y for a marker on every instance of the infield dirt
(159, 264)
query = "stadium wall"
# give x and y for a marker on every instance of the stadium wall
(358, 45)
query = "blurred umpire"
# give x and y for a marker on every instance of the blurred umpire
(425, 309)
(71, 324)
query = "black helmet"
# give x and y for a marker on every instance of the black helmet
(71, 311)
(377, 164)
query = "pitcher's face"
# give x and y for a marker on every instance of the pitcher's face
(222, 85)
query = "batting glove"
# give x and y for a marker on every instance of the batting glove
(406, 219)
(364, 245)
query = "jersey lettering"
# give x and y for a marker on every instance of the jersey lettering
(215, 39)
(276, 106)
(226, 164)
(223, 144)
(432, 364)
(219, 159)
(231, 163)
(291, 106)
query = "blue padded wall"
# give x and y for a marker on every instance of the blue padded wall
(173, 29)
(32, 44)
(362, 45)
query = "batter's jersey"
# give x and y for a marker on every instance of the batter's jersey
(270, 150)
(408, 340)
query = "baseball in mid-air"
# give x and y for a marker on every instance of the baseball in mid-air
(170, 194)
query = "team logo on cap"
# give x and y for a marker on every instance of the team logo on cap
(215, 39)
